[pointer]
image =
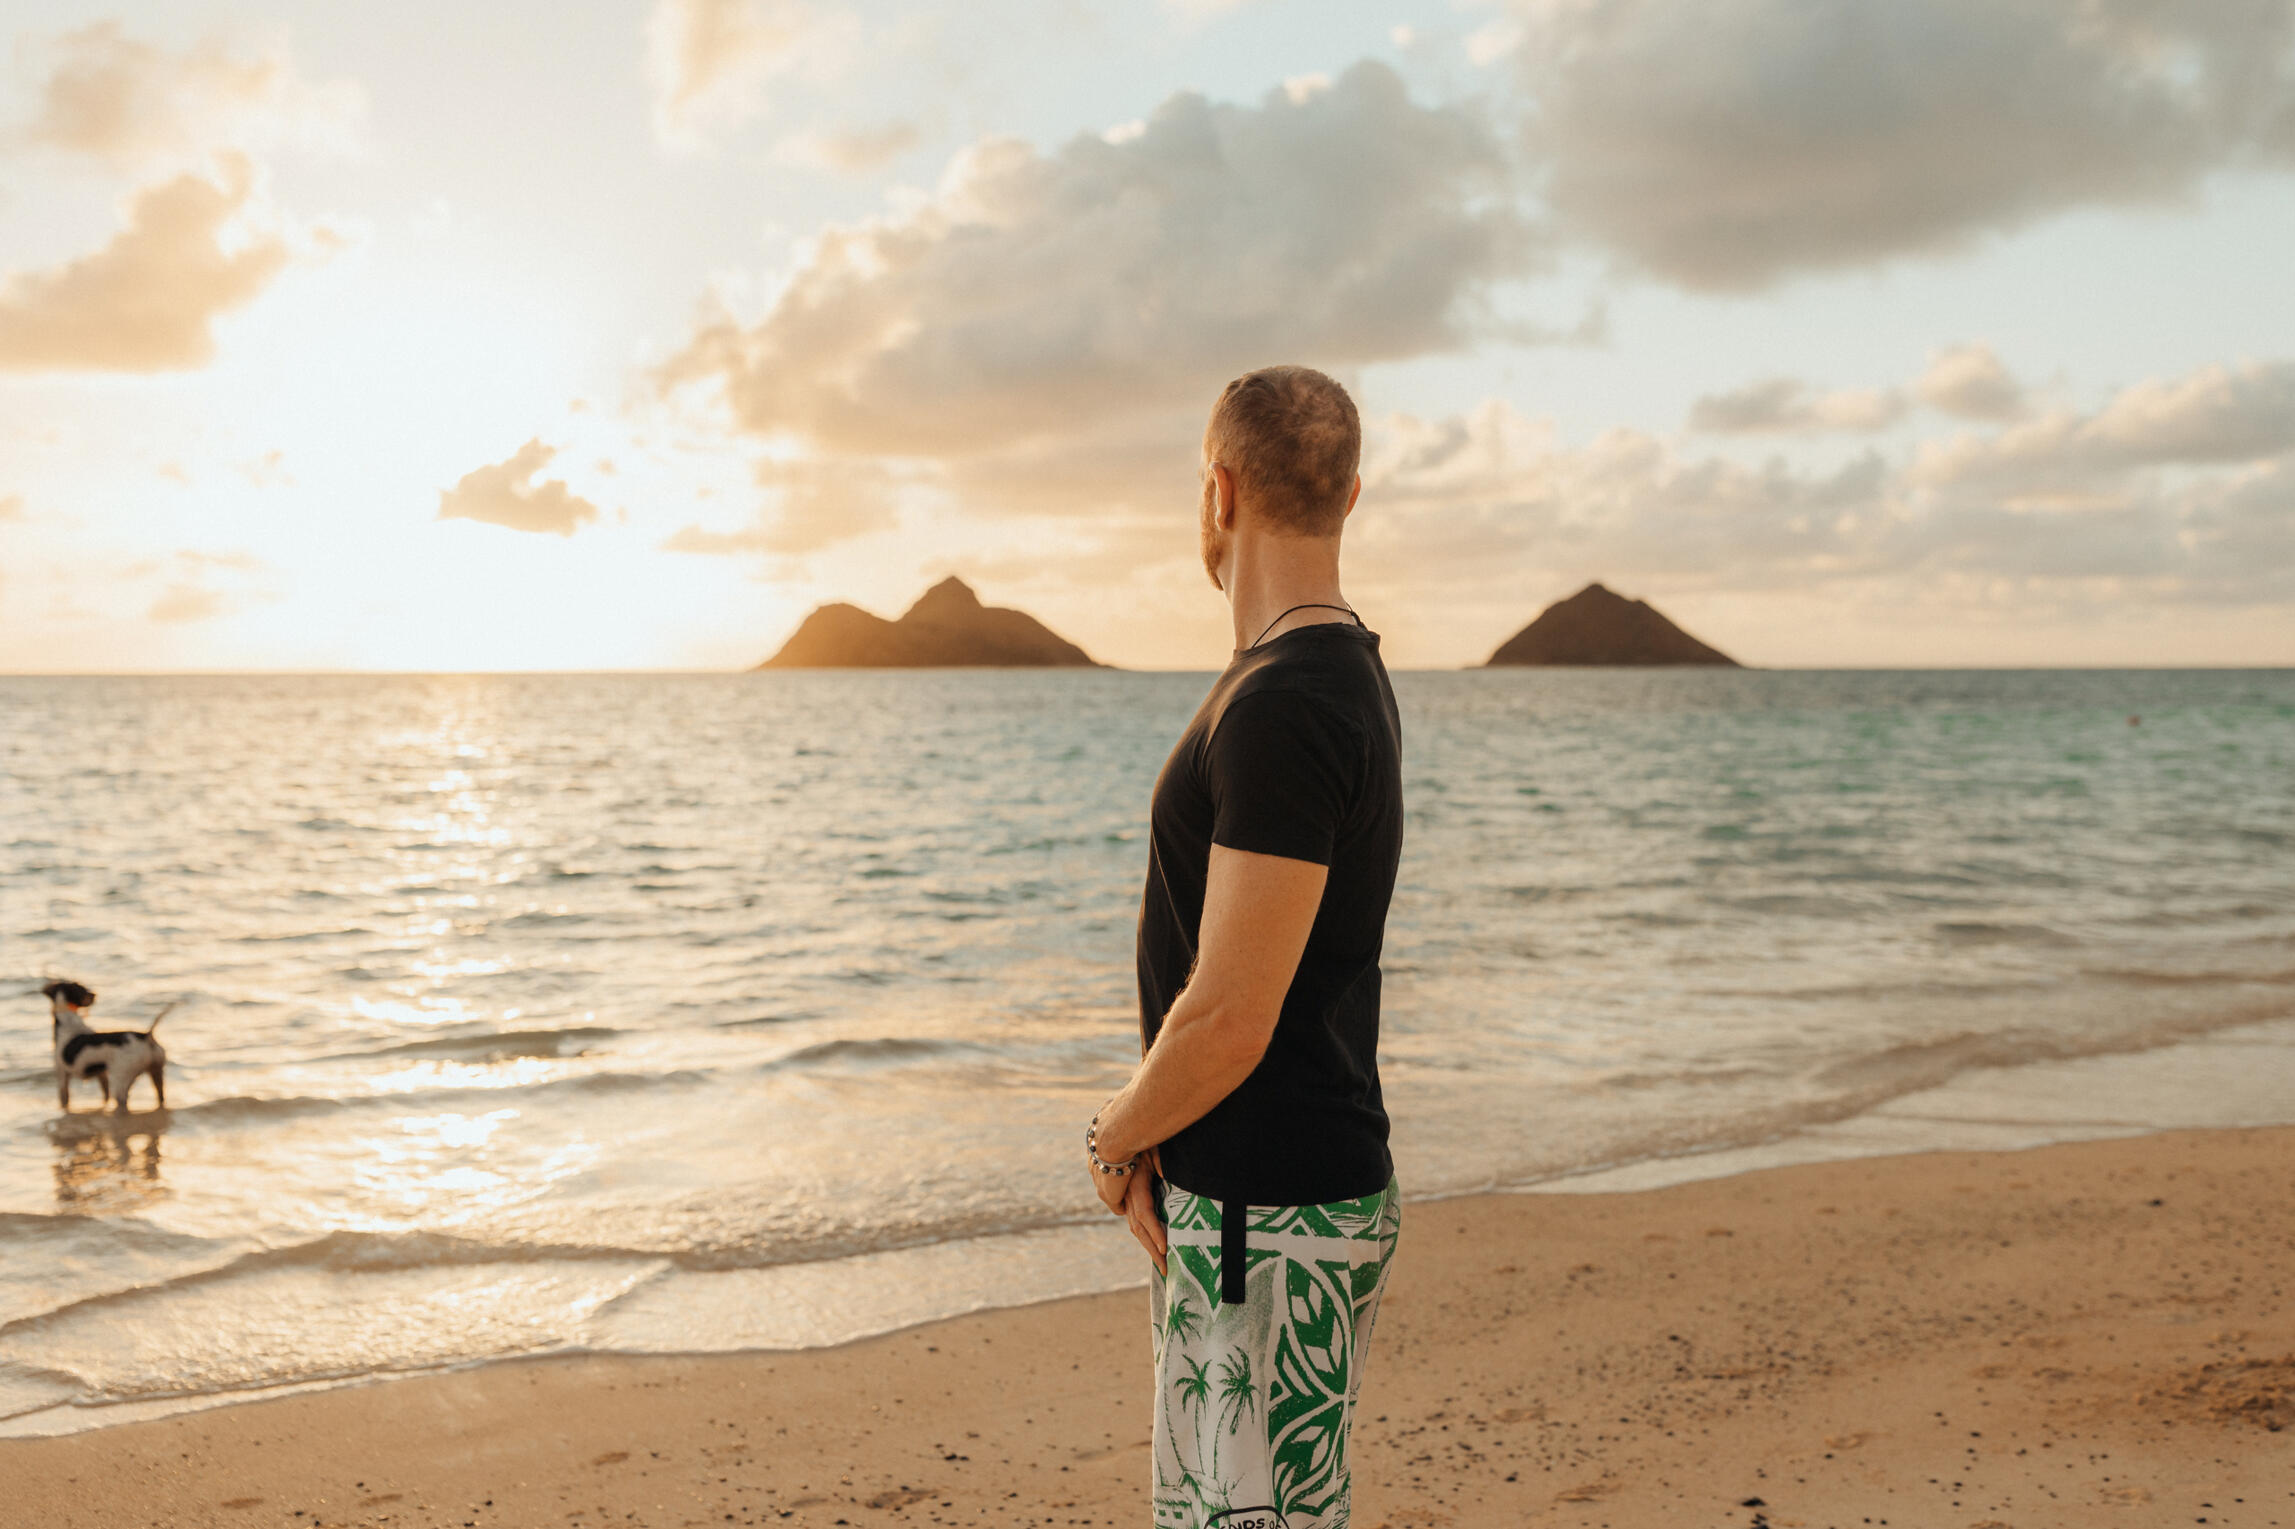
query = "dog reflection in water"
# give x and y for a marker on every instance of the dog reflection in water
(107, 1162)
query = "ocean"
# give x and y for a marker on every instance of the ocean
(645, 1013)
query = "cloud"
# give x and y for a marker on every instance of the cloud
(816, 505)
(192, 595)
(2247, 522)
(2216, 415)
(133, 105)
(1489, 494)
(11, 507)
(1968, 380)
(509, 493)
(180, 603)
(1036, 295)
(2181, 490)
(709, 61)
(852, 151)
(147, 301)
(1781, 405)
(1728, 144)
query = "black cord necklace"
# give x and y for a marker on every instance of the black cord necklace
(1311, 605)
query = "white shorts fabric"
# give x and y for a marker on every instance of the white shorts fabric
(1255, 1401)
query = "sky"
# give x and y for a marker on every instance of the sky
(620, 335)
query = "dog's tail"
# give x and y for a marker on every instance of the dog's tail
(162, 1014)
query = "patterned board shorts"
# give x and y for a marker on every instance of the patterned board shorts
(1254, 1401)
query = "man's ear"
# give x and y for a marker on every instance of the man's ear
(1353, 494)
(1223, 492)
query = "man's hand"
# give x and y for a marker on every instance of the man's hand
(1140, 1211)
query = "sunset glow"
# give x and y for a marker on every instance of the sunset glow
(621, 335)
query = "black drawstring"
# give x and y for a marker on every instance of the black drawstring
(1311, 605)
(1232, 1264)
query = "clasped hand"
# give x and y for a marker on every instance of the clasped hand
(1132, 1196)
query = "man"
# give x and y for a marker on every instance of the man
(1275, 830)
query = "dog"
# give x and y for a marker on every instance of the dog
(114, 1058)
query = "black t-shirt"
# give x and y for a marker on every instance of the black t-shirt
(1296, 752)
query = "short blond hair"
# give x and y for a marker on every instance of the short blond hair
(1291, 437)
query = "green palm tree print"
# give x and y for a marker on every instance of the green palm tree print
(1286, 1364)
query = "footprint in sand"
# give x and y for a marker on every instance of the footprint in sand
(2127, 1496)
(899, 1498)
(241, 1502)
(1845, 1440)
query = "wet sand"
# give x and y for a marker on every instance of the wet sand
(2093, 1334)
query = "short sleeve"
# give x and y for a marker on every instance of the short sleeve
(1282, 771)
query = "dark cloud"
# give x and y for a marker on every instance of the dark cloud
(1726, 144)
(1036, 295)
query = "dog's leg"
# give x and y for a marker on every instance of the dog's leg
(106, 1078)
(127, 1087)
(63, 1091)
(159, 1082)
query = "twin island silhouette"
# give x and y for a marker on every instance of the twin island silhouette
(948, 628)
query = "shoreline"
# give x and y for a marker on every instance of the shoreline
(2053, 1335)
(2232, 1078)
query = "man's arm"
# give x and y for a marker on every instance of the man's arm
(1257, 913)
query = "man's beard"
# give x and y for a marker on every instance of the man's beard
(1214, 541)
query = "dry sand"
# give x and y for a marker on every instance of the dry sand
(2096, 1334)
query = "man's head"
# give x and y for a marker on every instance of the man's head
(1280, 454)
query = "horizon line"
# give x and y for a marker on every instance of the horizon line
(277, 673)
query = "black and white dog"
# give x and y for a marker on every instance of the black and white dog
(115, 1058)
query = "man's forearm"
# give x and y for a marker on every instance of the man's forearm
(1200, 1056)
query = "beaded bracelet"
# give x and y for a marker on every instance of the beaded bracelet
(1092, 1150)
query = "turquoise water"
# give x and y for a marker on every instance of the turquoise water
(689, 1011)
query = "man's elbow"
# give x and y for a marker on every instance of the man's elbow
(1237, 1039)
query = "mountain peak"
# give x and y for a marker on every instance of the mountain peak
(1598, 626)
(947, 627)
(950, 597)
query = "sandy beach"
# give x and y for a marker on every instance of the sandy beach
(2096, 1333)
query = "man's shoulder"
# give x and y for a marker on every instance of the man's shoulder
(1286, 712)
(1342, 682)
(1300, 689)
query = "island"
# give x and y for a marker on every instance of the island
(1597, 626)
(947, 628)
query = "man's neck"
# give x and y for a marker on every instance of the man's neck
(1269, 575)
